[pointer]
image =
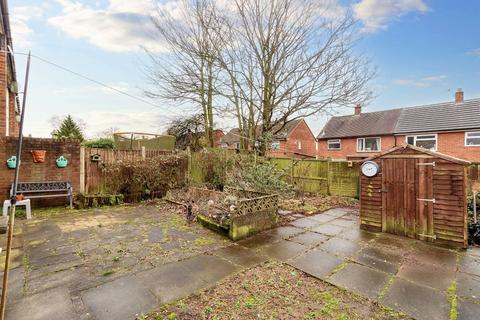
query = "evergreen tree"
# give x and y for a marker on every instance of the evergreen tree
(68, 128)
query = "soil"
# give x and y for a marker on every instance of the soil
(274, 291)
(312, 204)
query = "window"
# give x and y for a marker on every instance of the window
(428, 141)
(299, 145)
(334, 144)
(472, 138)
(236, 145)
(368, 144)
(275, 145)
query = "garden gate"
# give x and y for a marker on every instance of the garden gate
(416, 193)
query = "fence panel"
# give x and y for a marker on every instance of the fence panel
(343, 180)
(92, 173)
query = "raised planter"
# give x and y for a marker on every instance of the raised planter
(235, 213)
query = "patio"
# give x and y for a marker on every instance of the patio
(118, 263)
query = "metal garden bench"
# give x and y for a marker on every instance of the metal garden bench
(47, 189)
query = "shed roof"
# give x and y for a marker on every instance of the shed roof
(422, 150)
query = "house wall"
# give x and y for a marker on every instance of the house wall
(453, 144)
(288, 147)
(8, 123)
(449, 143)
(45, 171)
(349, 148)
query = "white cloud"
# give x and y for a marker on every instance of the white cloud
(474, 52)
(21, 31)
(122, 26)
(148, 121)
(423, 82)
(377, 14)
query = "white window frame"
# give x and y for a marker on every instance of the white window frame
(339, 141)
(299, 145)
(236, 145)
(415, 138)
(276, 143)
(466, 137)
(369, 151)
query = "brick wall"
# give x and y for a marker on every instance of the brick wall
(450, 143)
(453, 143)
(46, 171)
(349, 148)
(288, 147)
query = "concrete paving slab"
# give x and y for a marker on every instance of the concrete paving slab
(309, 238)
(383, 254)
(240, 255)
(317, 263)
(469, 264)
(428, 253)
(474, 252)
(285, 232)
(357, 235)
(328, 229)
(468, 286)
(427, 274)
(322, 218)
(349, 224)
(53, 304)
(337, 212)
(417, 301)
(363, 280)
(284, 250)
(341, 247)
(381, 265)
(209, 268)
(120, 299)
(259, 240)
(467, 310)
(305, 223)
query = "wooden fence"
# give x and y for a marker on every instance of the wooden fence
(316, 176)
(338, 178)
(92, 159)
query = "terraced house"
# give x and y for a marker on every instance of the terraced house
(452, 128)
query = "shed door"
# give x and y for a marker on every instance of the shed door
(407, 187)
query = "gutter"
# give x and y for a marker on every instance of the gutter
(11, 60)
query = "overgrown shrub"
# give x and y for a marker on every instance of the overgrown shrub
(143, 179)
(101, 143)
(258, 176)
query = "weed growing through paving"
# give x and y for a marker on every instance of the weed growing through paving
(452, 296)
(271, 291)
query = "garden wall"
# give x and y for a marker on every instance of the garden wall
(45, 171)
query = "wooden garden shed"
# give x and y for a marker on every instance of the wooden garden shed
(416, 193)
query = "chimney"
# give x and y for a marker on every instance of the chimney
(358, 109)
(459, 96)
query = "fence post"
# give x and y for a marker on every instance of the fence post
(189, 164)
(144, 153)
(328, 177)
(82, 170)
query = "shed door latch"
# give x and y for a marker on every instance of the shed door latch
(426, 164)
(434, 237)
(427, 200)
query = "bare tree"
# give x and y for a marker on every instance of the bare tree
(286, 59)
(187, 131)
(187, 73)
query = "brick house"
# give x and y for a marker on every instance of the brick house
(294, 139)
(9, 101)
(452, 128)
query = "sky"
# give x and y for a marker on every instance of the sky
(423, 50)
